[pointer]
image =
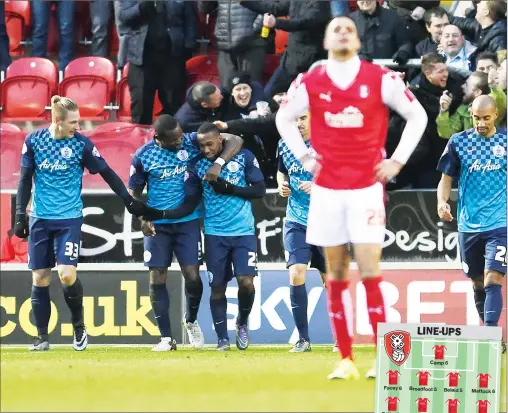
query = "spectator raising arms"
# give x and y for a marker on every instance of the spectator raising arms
(382, 33)
(306, 27)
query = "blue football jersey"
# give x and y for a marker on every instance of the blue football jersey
(298, 202)
(226, 215)
(58, 166)
(162, 171)
(480, 165)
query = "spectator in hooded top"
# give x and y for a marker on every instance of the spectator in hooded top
(456, 49)
(382, 33)
(435, 20)
(476, 85)
(488, 30)
(5, 57)
(412, 13)
(238, 39)
(306, 25)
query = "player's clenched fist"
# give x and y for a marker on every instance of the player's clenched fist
(444, 212)
(21, 226)
(147, 228)
(284, 190)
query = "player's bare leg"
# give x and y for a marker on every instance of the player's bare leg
(159, 299)
(193, 293)
(368, 257)
(246, 295)
(73, 294)
(299, 300)
(340, 309)
(41, 307)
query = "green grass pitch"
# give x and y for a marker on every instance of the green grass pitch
(135, 379)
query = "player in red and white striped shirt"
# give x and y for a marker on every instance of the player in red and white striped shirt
(348, 100)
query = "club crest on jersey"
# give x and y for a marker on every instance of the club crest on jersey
(350, 117)
(498, 151)
(233, 166)
(364, 91)
(66, 152)
(398, 346)
(183, 155)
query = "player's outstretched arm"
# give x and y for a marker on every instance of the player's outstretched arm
(254, 191)
(135, 207)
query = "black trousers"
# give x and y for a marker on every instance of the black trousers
(250, 61)
(167, 76)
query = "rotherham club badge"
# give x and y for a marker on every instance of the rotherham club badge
(398, 346)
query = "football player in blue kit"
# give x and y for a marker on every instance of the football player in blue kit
(230, 240)
(160, 165)
(295, 183)
(55, 157)
(477, 157)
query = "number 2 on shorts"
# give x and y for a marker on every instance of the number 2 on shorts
(252, 260)
(501, 254)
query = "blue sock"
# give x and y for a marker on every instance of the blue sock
(299, 301)
(479, 300)
(218, 307)
(160, 304)
(41, 307)
(493, 304)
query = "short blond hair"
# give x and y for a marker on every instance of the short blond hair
(60, 106)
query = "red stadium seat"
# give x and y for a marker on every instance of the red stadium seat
(17, 20)
(123, 99)
(90, 82)
(10, 158)
(202, 68)
(9, 127)
(117, 146)
(27, 89)
(272, 62)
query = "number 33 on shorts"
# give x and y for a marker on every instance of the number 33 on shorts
(72, 250)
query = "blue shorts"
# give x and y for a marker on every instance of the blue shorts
(182, 238)
(53, 241)
(297, 249)
(481, 251)
(230, 256)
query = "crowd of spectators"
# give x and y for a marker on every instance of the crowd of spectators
(463, 55)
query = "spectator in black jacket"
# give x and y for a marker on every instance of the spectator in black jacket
(205, 103)
(488, 30)
(306, 25)
(420, 170)
(412, 13)
(238, 39)
(156, 35)
(382, 33)
(435, 20)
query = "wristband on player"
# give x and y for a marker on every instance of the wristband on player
(220, 161)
